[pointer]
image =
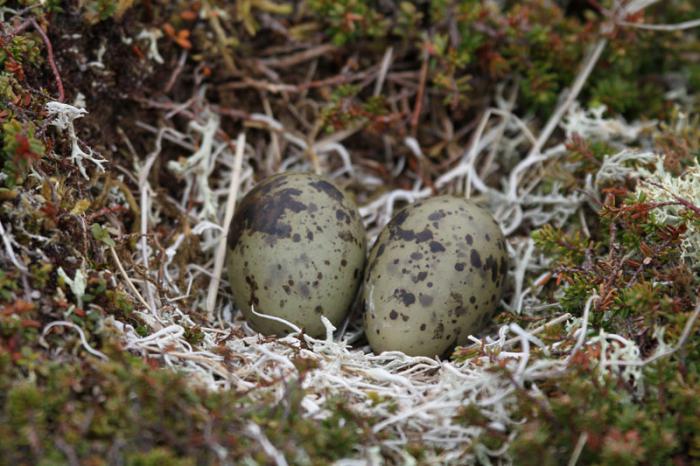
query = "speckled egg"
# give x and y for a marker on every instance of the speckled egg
(434, 276)
(296, 250)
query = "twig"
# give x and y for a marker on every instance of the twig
(10, 251)
(176, 72)
(679, 344)
(578, 449)
(584, 327)
(50, 59)
(298, 88)
(294, 328)
(83, 339)
(419, 95)
(129, 283)
(474, 150)
(386, 64)
(663, 27)
(509, 105)
(257, 434)
(13, 258)
(571, 96)
(230, 205)
(221, 38)
(145, 189)
(510, 342)
(299, 57)
(684, 202)
(67, 450)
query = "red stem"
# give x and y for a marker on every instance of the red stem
(52, 63)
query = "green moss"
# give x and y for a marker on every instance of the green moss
(8, 286)
(155, 415)
(656, 429)
(349, 20)
(158, 457)
(20, 148)
(22, 49)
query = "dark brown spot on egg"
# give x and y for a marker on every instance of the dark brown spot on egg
(262, 210)
(420, 277)
(425, 300)
(343, 263)
(422, 327)
(406, 297)
(469, 239)
(416, 256)
(439, 331)
(400, 217)
(327, 188)
(398, 233)
(472, 299)
(459, 266)
(380, 249)
(437, 215)
(346, 236)
(404, 317)
(491, 265)
(296, 237)
(393, 315)
(436, 247)
(424, 235)
(475, 259)
(319, 309)
(504, 266)
(342, 216)
(253, 285)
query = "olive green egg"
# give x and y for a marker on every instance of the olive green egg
(434, 276)
(296, 250)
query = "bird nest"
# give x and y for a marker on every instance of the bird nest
(409, 398)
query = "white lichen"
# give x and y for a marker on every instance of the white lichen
(77, 284)
(659, 185)
(62, 116)
(152, 35)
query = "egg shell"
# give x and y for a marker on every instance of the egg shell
(434, 276)
(296, 251)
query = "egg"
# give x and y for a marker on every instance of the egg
(434, 276)
(296, 251)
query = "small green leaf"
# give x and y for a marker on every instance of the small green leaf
(101, 234)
